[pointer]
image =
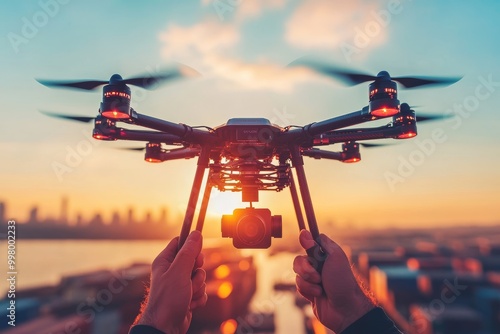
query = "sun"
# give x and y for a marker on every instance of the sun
(223, 203)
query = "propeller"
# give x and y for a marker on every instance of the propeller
(429, 117)
(351, 77)
(132, 148)
(148, 81)
(83, 119)
(370, 145)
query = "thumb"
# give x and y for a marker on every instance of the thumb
(329, 246)
(306, 240)
(186, 257)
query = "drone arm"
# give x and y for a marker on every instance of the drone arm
(180, 153)
(339, 122)
(185, 132)
(331, 124)
(149, 136)
(321, 154)
(342, 136)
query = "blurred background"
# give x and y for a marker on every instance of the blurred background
(416, 217)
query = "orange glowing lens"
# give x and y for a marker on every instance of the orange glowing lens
(153, 160)
(114, 114)
(351, 160)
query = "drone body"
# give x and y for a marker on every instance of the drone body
(250, 155)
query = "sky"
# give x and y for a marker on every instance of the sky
(448, 175)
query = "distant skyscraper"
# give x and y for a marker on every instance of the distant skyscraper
(33, 215)
(130, 216)
(115, 219)
(97, 220)
(79, 219)
(63, 219)
(163, 216)
(148, 219)
(3, 218)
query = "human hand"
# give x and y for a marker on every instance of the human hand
(177, 286)
(336, 297)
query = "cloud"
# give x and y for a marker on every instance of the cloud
(203, 38)
(325, 24)
(241, 10)
(262, 75)
(206, 46)
(254, 8)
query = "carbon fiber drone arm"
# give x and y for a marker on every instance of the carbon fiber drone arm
(342, 136)
(183, 131)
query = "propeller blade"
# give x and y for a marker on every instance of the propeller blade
(151, 81)
(84, 85)
(132, 148)
(148, 81)
(347, 76)
(369, 145)
(351, 77)
(83, 119)
(430, 117)
(413, 82)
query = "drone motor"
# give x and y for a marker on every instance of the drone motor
(115, 99)
(383, 96)
(406, 121)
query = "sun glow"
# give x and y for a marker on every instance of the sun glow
(223, 203)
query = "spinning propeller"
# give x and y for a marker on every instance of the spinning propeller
(352, 78)
(148, 81)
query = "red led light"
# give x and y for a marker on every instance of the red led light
(115, 114)
(153, 160)
(100, 136)
(407, 135)
(351, 160)
(385, 112)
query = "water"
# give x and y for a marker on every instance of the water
(44, 262)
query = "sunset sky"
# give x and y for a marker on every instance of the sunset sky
(241, 48)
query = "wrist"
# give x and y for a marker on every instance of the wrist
(360, 306)
(148, 319)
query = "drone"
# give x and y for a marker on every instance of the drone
(250, 155)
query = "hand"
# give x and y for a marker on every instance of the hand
(177, 287)
(336, 297)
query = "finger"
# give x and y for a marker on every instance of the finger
(200, 260)
(330, 246)
(304, 268)
(200, 292)
(184, 261)
(308, 290)
(306, 239)
(198, 279)
(165, 258)
(200, 302)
